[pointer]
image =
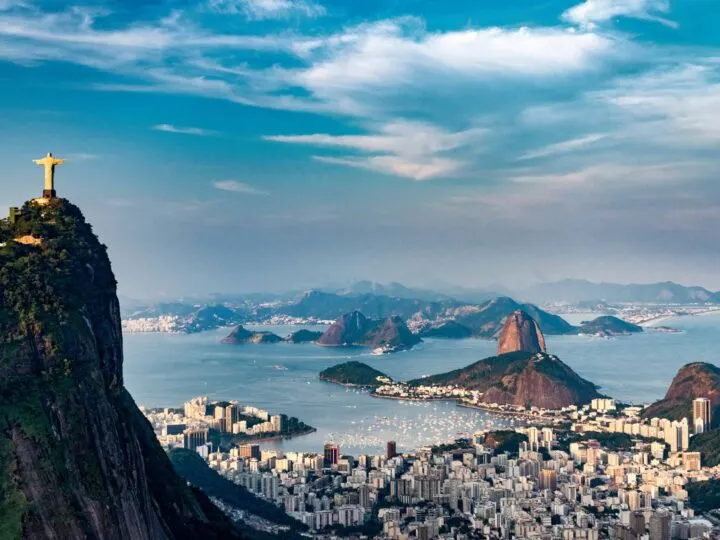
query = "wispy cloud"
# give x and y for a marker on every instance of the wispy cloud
(564, 146)
(81, 156)
(238, 187)
(269, 9)
(593, 12)
(677, 106)
(416, 168)
(7, 5)
(169, 128)
(403, 148)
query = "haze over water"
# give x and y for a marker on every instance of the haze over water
(163, 370)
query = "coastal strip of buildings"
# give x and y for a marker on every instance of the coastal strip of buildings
(545, 482)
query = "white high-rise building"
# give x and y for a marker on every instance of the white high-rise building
(677, 435)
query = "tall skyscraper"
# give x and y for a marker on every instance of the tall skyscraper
(637, 522)
(193, 438)
(391, 449)
(677, 435)
(548, 479)
(249, 451)
(702, 414)
(332, 454)
(533, 438)
(660, 526)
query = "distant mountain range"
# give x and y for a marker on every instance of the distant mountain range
(567, 290)
(578, 290)
(428, 313)
(377, 300)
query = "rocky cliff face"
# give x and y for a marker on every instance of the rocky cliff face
(392, 332)
(349, 329)
(77, 457)
(520, 333)
(695, 380)
(523, 379)
(356, 329)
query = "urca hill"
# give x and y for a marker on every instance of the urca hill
(78, 459)
(522, 374)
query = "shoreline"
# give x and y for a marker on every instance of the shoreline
(498, 412)
(654, 320)
(347, 385)
(277, 437)
(400, 398)
(460, 403)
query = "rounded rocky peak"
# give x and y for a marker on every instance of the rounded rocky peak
(521, 334)
(58, 295)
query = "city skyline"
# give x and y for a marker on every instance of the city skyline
(263, 144)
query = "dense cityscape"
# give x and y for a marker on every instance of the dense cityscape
(570, 476)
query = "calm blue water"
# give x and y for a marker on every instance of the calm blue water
(166, 370)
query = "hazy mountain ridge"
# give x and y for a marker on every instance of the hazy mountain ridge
(579, 290)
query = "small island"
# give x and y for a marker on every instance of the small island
(241, 336)
(355, 374)
(304, 336)
(608, 326)
(447, 330)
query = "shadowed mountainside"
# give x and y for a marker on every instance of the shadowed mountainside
(354, 329)
(695, 380)
(77, 457)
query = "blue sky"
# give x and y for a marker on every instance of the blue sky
(240, 145)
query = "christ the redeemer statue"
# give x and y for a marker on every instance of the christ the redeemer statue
(49, 162)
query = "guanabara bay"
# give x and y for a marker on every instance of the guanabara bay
(359, 270)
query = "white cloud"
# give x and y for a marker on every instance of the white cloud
(238, 187)
(169, 128)
(7, 5)
(678, 106)
(351, 72)
(269, 9)
(564, 146)
(593, 12)
(414, 167)
(72, 35)
(401, 52)
(601, 175)
(402, 148)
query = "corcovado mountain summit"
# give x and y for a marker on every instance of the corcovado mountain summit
(77, 457)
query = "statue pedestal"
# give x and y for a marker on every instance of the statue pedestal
(49, 194)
